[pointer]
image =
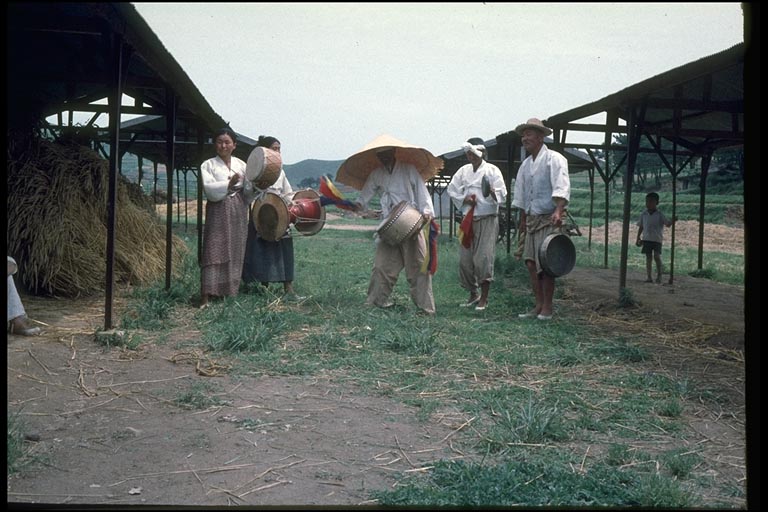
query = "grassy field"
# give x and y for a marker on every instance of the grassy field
(718, 209)
(718, 266)
(560, 414)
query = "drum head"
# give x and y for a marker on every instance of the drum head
(270, 217)
(255, 164)
(557, 255)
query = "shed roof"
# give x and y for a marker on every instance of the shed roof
(59, 60)
(145, 137)
(498, 154)
(699, 105)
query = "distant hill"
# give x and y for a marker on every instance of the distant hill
(297, 173)
(311, 168)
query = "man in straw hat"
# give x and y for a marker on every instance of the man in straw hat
(542, 191)
(467, 191)
(395, 181)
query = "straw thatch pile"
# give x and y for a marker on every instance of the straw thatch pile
(57, 215)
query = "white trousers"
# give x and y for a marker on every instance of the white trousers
(476, 263)
(388, 263)
(15, 307)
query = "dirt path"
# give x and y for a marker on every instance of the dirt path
(688, 299)
(107, 423)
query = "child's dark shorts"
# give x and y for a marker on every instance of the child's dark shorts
(651, 247)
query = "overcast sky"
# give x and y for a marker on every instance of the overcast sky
(327, 78)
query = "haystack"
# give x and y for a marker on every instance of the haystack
(57, 213)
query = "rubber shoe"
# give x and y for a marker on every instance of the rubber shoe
(23, 327)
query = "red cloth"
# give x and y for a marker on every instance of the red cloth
(465, 228)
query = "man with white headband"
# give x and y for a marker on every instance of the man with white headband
(466, 190)
(542, 191)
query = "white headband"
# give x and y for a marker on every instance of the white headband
(475, 150)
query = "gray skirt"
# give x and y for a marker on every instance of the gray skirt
(224, 234)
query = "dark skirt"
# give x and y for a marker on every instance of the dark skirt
(265, 261)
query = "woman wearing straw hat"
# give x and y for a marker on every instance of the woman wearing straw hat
(271, 261)
(478, 186)
(542, 191)
(228, 194)
(397, 181)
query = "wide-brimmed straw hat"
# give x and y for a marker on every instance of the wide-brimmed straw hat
(356, 169)
(533, 124)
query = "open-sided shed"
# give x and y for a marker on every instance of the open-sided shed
(685, 113)
(69, 59)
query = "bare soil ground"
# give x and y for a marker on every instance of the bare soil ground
(105, 422)
(110, 434)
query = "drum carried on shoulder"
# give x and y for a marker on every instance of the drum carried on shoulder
(402, 223)
(263, 167)
(272, 214)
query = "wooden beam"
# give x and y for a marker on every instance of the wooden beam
(95, 108)
(688, 132)
(599, 128)
(736, 106)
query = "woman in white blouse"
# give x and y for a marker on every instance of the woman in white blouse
(228, 194)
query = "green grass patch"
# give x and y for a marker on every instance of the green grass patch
(118, 338)
(531, 422)
(19, 454)
(151, 308)
(535, 481)
(680, 462)
(199, 395)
